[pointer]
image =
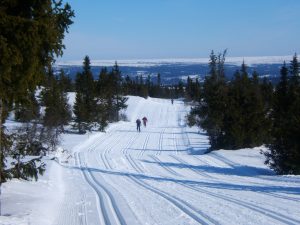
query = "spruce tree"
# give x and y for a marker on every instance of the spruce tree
(267, 93)
(85, 102)
(31, 36)
(102, 92)
(246, 121)
(211, 108)
(284, 154)
(57, 109)
(80, 113)
(28, 109)
(278, 155)
(65, 82)
(118, 101)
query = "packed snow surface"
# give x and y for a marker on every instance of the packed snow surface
(158, 176)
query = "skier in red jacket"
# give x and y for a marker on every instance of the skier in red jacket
(145, 121)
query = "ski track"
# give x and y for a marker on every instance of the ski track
(145, 145)
(180, 204)
(109, 160)
(109, 209)
(160, 142)
(274, 215)
(269, 213)
(278, 196)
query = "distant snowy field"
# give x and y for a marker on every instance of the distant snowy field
(159, 176)
(249, 60)
(173, 70)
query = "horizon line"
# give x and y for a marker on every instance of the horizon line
(193, 60)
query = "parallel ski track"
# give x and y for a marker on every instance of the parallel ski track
(105, 198)
(104, 138)
(203, 174)
(108, 149)
(132, 139)
(185, 207)
(266, 212)
(134, 164)
(233, 164)
(157, 160)
(175, 141)
(278, 196)
(179, 203)
(145, 145)
(160, 142)
(274, 215)
(108, 167)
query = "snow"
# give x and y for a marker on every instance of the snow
(159, 176)
(249, 60)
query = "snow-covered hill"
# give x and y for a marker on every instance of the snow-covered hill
(158, 176)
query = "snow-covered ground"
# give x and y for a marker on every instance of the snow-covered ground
(158, 176)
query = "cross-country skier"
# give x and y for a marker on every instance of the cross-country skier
(138, 125)
(145, 121)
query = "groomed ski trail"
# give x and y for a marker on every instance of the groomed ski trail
(160, 176)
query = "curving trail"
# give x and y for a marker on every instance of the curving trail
(162, 176)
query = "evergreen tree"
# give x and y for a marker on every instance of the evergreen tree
(80, 113)
(31, 36)
(193, 89)
(277, 156)
(294, 70)
(28, 109)
(103, 94)
(118, 101)
(85, 102)
(180, 89)
(267, 94)
(65, 82)
(157, 90)
(246, 121)
(294, 119)
(233, 114)
(211, 108)
(128, 88)
(27, 141)
(158, 80)
(284, 154)
(57, 109)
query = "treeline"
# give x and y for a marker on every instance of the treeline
(247, 112)
(136, 86)
(151, 87)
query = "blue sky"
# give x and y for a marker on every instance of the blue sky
(143, 29)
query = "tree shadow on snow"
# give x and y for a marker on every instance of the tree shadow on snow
(239, 170)
(196, 183)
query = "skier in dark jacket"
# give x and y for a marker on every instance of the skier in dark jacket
(138, 125)
(145, 121)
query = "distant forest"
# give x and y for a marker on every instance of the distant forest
(172, 73)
